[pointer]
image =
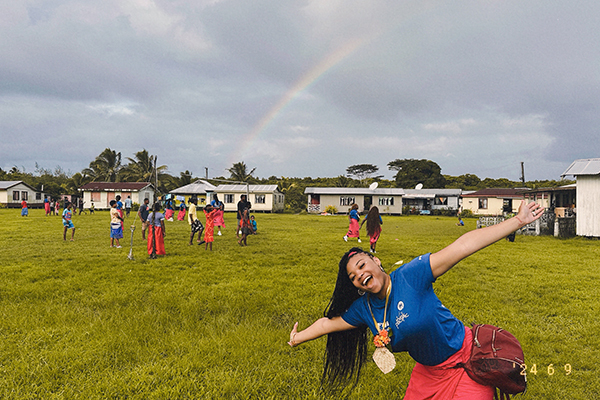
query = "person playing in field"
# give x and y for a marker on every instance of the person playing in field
(67, 215)
(181, 213)
(116, 226)
(120, 209)
(24, 209)
(143, 212)
(403, 312)
(254, 226)
(57, 207)
(242, 205)
(353, 227)
(220, 208)
(195, 224)
(47, 206)
(156, 234)
(245, 227)
(374, 223)
(209, 213)
(128, 206)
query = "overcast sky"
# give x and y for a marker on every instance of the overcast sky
(302, 88)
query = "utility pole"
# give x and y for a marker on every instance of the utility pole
(522, 172)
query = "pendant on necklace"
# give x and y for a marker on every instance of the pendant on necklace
(384, 359)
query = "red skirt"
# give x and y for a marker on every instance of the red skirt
(442, 382)
(219, 221)
(181, 215)
(353, 228)
(160, 240)
(373, 239)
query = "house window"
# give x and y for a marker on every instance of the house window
(346, 200)
(38, 196)
(24, 196)
(440, 201)
(259, 199)
(228, 198)
(386, 201)
(15, 195)
(95, 196)
(483, 203)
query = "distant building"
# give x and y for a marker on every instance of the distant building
(388, 200)
(197, 189)
(101, 193)
(12, 193)
(432, 199)
(493, 201)
(265, 198)
(587, 206)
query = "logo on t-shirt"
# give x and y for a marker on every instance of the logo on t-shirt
(400, 318)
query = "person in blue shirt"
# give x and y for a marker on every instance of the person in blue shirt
(353, 220)
(403, 312)
(67, 215)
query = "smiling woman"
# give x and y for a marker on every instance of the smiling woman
(402, 311)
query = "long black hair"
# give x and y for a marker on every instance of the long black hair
(346, 351)
(373, 222)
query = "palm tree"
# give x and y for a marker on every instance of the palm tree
(141, 168)
(106, 167)
(239, 172)
(73, 184)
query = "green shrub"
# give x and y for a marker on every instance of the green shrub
(331, 209)
(466, 214)
(135, 207)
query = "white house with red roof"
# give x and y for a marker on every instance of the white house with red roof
(493, 201)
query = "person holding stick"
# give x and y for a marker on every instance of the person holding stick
(404, 313)
(156, 232)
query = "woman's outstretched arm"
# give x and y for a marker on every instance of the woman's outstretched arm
(476, 240)
(320, 327)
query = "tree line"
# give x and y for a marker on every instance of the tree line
(108, 166)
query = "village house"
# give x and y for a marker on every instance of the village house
(388, 200)
(493, 201)
(265, 198)
(426, 200)
(12, 193)
(197, 189)
(587, 202)
(101, 193)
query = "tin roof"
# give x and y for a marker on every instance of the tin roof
(8, 184)
(584, 166)
(243, 188)
(115, 186)
(355, 191)
(501, 193)
(196, 187)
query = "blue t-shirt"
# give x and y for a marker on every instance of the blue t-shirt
(119, 205)
(420, 324)
(354, 215)
(66, 215)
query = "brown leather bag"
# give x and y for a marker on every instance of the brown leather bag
(497, 360)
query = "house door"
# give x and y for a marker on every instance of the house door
(368, 202)
(109, 196)
(507, 206)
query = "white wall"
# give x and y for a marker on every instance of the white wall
(588, 205)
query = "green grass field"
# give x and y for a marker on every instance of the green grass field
(81, 321)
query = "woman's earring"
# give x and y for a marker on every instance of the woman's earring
(361, 292)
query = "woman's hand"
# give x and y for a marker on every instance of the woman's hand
(293, 335)
(529, 212)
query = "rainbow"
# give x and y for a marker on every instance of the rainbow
(310, 77)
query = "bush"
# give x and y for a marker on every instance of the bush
(135, 207)
(466, 214)
(331, 209)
